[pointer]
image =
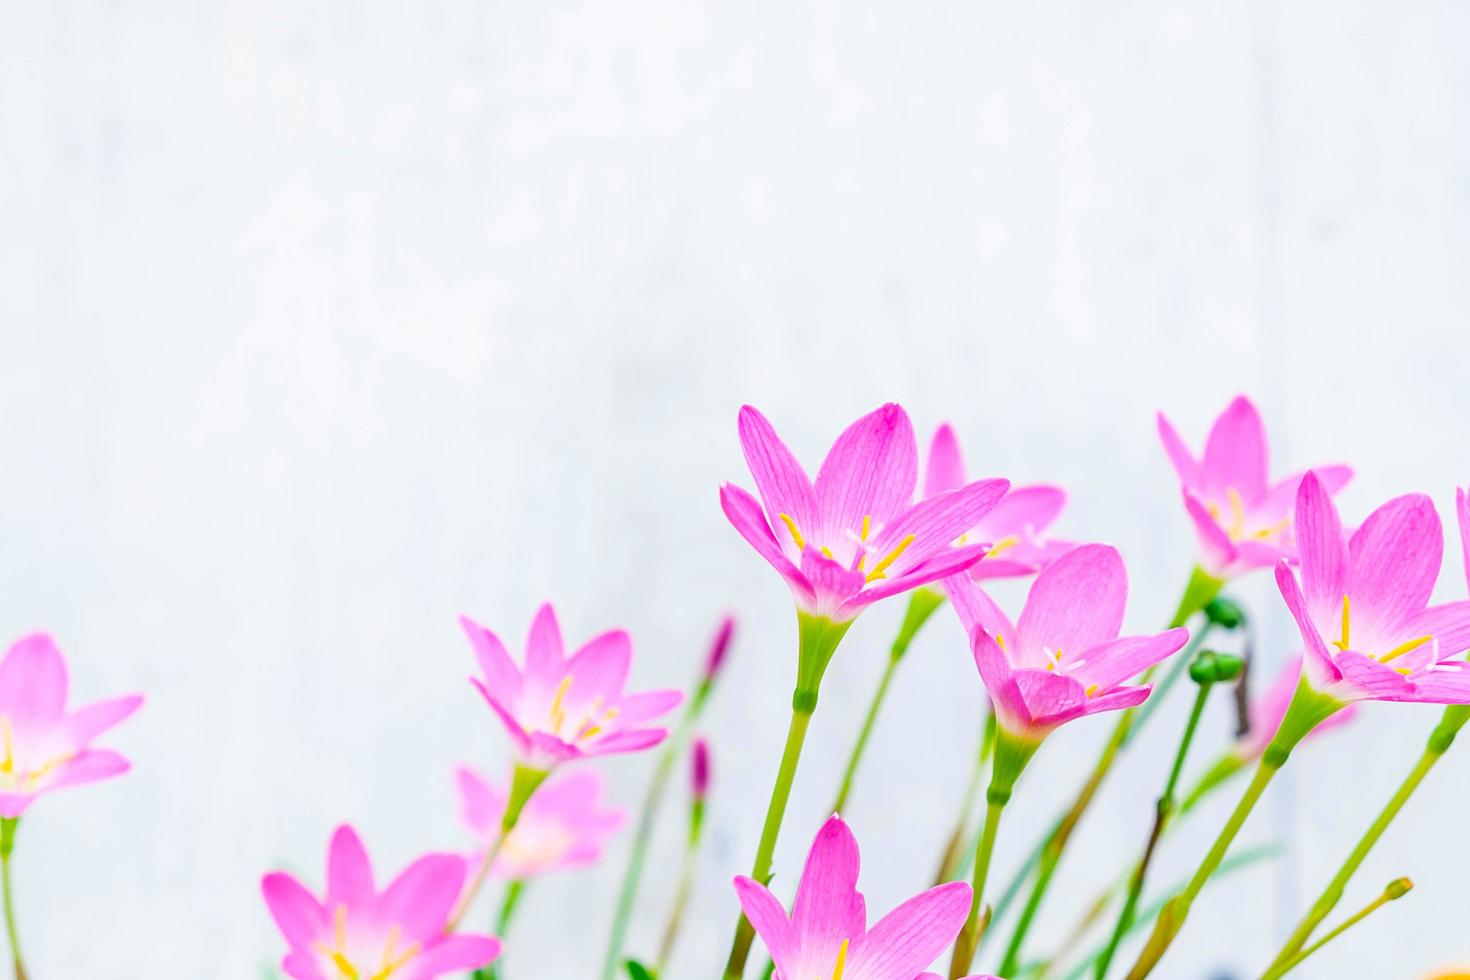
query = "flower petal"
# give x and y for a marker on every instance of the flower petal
(975, 608)
(33, 681)
(1235, 453)
(453, 954)
(517, 733)
(1000, 683)
(480, 804)
(421, 897)
(1393, 560)
(1281, 497)
(87, 766)
(84, 724)
(1179, 455)
(1116, 661)
(1051, 697)
(349, 873)
(1448, 623)
(1323, 548)
(1076, 602)
(1024, 511)
(302, 966)
(910, 937)
(501, 673)
(1219, 551)
(828, 907)
(744, 512)
(779, 479)
(298, 914)
(946, 467)
(1462, 516)
(1320, 669)
(937, 522)
(629, 741)
(647, 705)
(545, 652)
(769, 920)
(601, 667)
(870, 471)
(942, 566)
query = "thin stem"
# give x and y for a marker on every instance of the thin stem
(840, 804)
(7, 846)
(775, 812)
(1162, 812)
(643, 832)
(969, 938)
(1172, 917)
(954, 848)
(1332, 894)
(508, 905)
(1396, 890)
(676, 913)
(523, 784)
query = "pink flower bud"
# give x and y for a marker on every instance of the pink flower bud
(719, 647)
(700, 768)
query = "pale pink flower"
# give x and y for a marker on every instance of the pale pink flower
(559, 707)
(44, 747)
(356, 931)
(562, 827)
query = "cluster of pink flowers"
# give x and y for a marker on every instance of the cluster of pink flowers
(863, 530)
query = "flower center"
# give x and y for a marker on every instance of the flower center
(1345, 640)
(1236, 528)
(15, 781)
(880, 570)
(593, 718)
(391, 960)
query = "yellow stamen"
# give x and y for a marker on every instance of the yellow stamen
(589, 732)
(795, 534)
(867, 523)
(1404, 648)
(1213, 508)
(1009, 541)
(558, 716)
(1237, 514)
(1000, 641)
(890, 558)
(1271, 529)
(841, 961)
(1342, 644)
(1091, 691)
(349, 972)
(389, 964)
(828, 553)
(8, 765)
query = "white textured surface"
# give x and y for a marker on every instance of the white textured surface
(325, 322)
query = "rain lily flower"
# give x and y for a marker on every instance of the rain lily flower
(1362, 605)
(827, 935)
(1014, 528)
(1063, 658)
(45, 747)
(355, 932)
(558, 707)
(562, 826)
(855, 535)
(1243, 521)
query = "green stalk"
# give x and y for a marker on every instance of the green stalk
(950, 862)
(7, 846)
(1443, 736)
(818, 638)
(643, 832)
(922, 604)
(684, 888)
(1206, 671)
(513, 892)
(1396, 890)
(523, 784)
(1201, 589)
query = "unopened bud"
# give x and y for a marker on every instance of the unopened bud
(1215, 668)
(1398, 888)
(700, 768)
(1224, 613)
(719, 647)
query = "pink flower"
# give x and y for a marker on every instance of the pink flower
(1370, 595)
(561, 827)
(827, 935)
(1014, 528)
(356, 931)
(854, 536)
(1243, 522)
(1063, 658)
(44, 746)
(1269, 708)
(560, 707)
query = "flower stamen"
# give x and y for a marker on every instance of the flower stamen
(841, 961)
(1342, 644)
(882, 567)
(795, 534)
(1009, 541)
(1404, 648)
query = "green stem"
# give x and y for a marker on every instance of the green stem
(922, 604)
(508, 904)
(775, 812)
(1395, 890)
(523, 784)
(1162, 812)
(1172, 916)
(7, 846)
(1443, 736)
(643, 832)
(969, 938)
(954, 848)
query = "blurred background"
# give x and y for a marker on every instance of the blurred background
(324, 323)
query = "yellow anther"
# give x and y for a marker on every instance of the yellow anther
(1000, 640)
(1404, 648)
(890, 558)
(1237, 514)
(1091, 691)
(389, 964)
(795, 534)
(588, 732)
(1009, 541)
(1213, 508)
(344, 965)
(558, 714)
(1271, 529)
(841, 961)
(1342, 644)
(7, 765)
(867, 524)
(828, 553)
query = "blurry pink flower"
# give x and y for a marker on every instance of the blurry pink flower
(1063, 658)
(1269, 708)
(359, 933)
(44, 746)
(561, 827)
(719, 648)
(1014, 529)
(854, 536)
(560, 707)
(1243, 522)
(699, 769)
(1370, 594)
(827, 934)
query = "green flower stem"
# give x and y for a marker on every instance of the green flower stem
(523, 784)
(1198, 593)
(672, 749)
(508, 906)
(7, 846)
(923, 602)
(1455, 717)
(684, 888)
(955, 855)
(1396, 890)
(1162, 813)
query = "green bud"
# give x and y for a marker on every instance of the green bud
(1224, 613)
(1215, 668)
(1398, 888)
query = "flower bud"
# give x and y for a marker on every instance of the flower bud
(700, 769)
(1398, 888)
(1224, 613)
(719, 647)
(1215, 668)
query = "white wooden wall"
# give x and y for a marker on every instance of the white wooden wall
(321, 323)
